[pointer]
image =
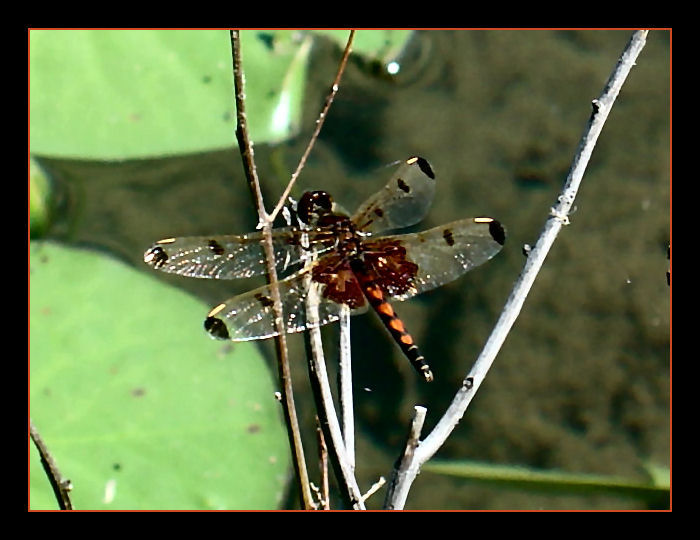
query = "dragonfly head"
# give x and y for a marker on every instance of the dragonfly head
(313, 205)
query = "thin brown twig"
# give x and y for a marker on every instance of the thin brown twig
(61, 486)
(323, 466)
(246, 148)
(319, 124)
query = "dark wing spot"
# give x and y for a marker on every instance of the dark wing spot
(379, 212)
(403, 186)
(498, 233)
(156, 257)
(449, 238)
(216, 247)
(216, 328)
(265, 301)
(426, 168)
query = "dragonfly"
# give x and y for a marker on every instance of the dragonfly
(352, 266)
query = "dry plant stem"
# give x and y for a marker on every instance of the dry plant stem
(319, 124)
(343, 462)
(402, 479)
(318, 374)
(403, 467)
(246, 148)
(374, 488)
(61, 486)
(323, 466)
(341, 458)
(347, 417)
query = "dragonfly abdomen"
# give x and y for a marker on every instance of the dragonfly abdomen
(377, 299)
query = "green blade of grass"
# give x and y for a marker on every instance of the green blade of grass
(554, 481)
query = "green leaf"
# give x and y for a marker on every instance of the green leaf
(39, 199)
(118, 94)
(125, 94)
(140, 409)
(551, 481)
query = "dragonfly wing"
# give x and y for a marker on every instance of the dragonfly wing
(404, 200)
(228, 256)
(446, 252)
(251, 315)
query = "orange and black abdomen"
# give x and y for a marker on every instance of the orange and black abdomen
(377, 299)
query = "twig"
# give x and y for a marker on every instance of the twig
(319, 124)
(341, 458)
(341, 449)
(318, 374)
(246, 148)
(405, 464)
(323, 466)
(374, 488)
(347, 416)
(399, 486)
(61, 486)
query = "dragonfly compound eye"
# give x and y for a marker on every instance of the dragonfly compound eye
(314, 204)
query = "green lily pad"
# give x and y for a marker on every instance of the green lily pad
(39, 199)
(140, 409)
(118, 94)
(125, 94)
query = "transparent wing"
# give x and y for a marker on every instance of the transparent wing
(404, 200)
(229, 257)
(251, 316)
(446, 252)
